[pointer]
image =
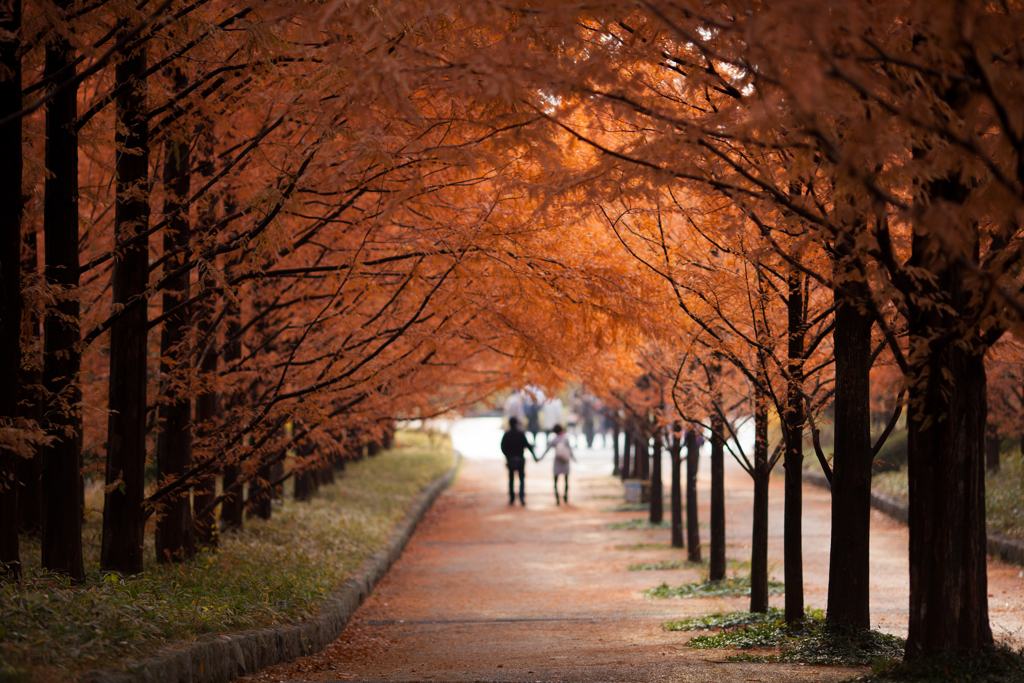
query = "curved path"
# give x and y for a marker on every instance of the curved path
(491, 592)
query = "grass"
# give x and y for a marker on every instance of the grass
(1004, 497)
(812, 642)
(1004, 494)
(722, 620)
(735, 565)
(662, 565)
(994, 665)
(627, 507)
(735, 587)
(641, 524)
(270, 572)
(645, 546)
(892, 483)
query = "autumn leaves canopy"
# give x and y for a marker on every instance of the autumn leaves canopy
(336, 214)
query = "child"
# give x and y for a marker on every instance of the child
(563, 454)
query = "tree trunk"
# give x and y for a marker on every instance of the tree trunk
(848, 570)
(305, 478)
(948, 579)
(657, 489)
(10, 280)
(175, 530)
(692, 528)
(794, 457)
(675, 454)
(946, 463)
(124, 522)
(276, 472)
(233, 505)
(759, 531)
(207, 404)
(62, 458)
(717, 560)
(30, 404)
(260, 493)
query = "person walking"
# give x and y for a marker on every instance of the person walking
(563, 454)
(514, 445)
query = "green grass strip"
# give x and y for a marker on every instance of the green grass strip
(812, 642)
(723, 620)
(735, 587)
(268, 573)
(661, 565)
(640, 524)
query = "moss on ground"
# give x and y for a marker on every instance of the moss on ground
(270, 572)
(641, 524)
(995, 665)
(735, 587)
(812, 642)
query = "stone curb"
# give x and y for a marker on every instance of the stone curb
(1003, 547)
(221, 658)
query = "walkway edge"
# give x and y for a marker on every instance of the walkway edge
(222, 658)
(998, 546)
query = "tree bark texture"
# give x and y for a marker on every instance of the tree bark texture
(232, 507)
(946, 460)
(261, 492)
(759, 531)
(62, 459)
(124, 521)
(657, 489)
(692, 463)
(207, 404)
(675, 455)
(717, 559)
(175, 535)
(30, 399)
(848, 570)
(793, 565)
(207, 407)
(10, 282)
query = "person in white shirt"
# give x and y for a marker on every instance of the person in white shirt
(563, 455)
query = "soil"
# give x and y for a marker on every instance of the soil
(487, 591)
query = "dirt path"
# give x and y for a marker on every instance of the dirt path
(491, 592)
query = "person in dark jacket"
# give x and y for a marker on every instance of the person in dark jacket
(514, 445)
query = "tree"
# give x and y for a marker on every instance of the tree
(62, 458)
(10, 281)
(123, 519)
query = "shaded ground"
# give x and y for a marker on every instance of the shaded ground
(491, 592)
